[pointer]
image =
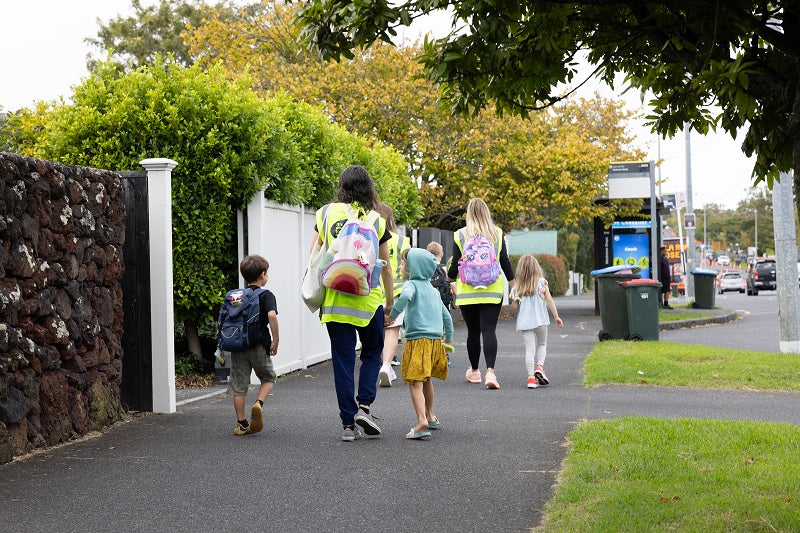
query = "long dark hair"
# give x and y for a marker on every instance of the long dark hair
(355, 185)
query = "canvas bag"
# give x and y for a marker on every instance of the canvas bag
(238, 327)
(355, 256)
(478, 266)
(312, 289)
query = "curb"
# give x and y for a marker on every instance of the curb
(697, 322)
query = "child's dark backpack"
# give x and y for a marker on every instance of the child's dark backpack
(238, 328)
(440, 283)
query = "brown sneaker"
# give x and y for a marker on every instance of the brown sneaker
(256, 420)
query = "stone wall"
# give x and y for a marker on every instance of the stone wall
(62, 230)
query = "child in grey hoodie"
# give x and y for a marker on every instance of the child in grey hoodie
(426, 321)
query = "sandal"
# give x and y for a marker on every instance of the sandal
(418, 435)
(435, 424)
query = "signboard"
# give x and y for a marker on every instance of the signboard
(688, 221)
(674, 248)
(680, 198)
(669, 201)
(630, 224)
(632, 249)
(629, 179)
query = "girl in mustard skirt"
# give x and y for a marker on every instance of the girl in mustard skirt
(426, 321)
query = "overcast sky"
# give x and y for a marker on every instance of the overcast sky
(43, 55)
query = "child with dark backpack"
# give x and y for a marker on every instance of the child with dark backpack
(248, 329)
(439, 279)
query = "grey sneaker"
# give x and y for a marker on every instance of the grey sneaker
(350, 434)
(367, 423)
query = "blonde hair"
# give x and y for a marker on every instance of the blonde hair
(528, 274)
(435, 248)
(479, 220)
(388, 215)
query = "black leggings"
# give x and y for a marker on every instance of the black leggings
(481, 321)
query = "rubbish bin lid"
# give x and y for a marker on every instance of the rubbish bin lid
(643, 282)
(703, 272)
(617, 269)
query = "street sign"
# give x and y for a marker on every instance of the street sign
(668, 201)
(629, 179)
(688, 221)
(680, 197)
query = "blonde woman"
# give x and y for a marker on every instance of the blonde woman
(480, 297)
(531, 298)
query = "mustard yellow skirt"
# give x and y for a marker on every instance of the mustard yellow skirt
(423, 359)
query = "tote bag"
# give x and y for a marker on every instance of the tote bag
(312, 289)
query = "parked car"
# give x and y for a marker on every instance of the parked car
(723, 260)
(761, 277)
(732, 281)
(677, 279)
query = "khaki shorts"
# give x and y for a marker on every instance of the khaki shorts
(243, 363)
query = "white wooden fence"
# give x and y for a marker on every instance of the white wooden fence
(282, 234)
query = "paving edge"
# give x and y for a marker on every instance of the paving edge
(695, 322)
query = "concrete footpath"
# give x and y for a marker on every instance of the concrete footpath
(490, 468)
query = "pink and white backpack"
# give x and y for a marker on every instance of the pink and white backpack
(478, 266)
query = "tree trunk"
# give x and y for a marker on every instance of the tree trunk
(192, 338)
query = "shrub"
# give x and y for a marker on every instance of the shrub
(555, 272)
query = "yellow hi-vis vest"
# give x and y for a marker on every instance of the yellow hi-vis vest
(338, 307)
(397, 244)
(467, 294)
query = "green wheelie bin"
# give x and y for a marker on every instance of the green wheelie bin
(612, 300)
(642, 298)
(704, 288)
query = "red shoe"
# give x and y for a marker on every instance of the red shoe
(491, 381)
(540, 376)
(532, 383)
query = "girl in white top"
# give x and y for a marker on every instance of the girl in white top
(531, 298)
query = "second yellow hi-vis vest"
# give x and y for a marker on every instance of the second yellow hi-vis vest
(466, 294)
(339, 307)
(397, 244)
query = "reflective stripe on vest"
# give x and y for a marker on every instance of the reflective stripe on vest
(337, 307)
(466, 294)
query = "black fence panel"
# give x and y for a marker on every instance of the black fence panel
(137, 360)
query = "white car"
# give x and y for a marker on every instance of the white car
(723, 260)
(732, 281)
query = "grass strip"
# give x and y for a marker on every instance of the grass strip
(683, 365)
(672, 317)
(647, 474)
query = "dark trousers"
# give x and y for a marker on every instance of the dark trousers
(343, 356)
(481, 321)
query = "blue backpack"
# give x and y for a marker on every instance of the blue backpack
(238, 327)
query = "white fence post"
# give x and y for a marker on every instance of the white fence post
(159, 204)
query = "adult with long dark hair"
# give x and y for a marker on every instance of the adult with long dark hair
(480, 306)
(346, 316)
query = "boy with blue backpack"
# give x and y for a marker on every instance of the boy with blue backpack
(248, 329)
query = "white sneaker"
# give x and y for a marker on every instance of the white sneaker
(385, 376)
(392, 375)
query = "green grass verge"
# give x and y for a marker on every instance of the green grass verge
(645, 474)
(682, 365)
(672, 317)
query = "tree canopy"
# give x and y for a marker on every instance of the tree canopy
(710, 64)
(539, 172)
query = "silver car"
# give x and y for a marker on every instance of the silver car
(732, 281)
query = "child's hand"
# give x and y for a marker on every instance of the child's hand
(559, 322)
(273, 347)
(388, 320)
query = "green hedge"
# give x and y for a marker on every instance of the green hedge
(555, 272)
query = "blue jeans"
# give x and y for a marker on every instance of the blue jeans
(343, 355)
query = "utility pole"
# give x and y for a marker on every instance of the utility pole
(786, 256)
(690, 255)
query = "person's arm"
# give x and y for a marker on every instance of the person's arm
(452, 272)
(314, 240)
(514, 300)
(505, 264)
(551, 304)
(273, 328)
(406, 295)
(386, 276)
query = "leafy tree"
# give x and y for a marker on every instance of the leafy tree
(229, 145)
(534, 173)
(709, 64)
(151, 30)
